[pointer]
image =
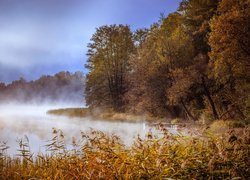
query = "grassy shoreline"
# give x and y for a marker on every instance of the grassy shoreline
(70, 112)
(106, 116)
(127, 117)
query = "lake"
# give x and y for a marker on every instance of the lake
(18, 121)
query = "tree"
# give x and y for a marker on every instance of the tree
(230, 55)
(139, 36)
(196, 17)
(166, 48)
(108, 54)
(148, 78)
(176, 52)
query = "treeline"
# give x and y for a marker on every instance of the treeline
(63, 87)
(193, 64)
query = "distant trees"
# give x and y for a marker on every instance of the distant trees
(63, 87)
(108, 54)
(192, 63)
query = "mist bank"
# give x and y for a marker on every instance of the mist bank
(61, 88)
(19, 121)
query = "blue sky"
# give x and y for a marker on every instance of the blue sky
(47, 36)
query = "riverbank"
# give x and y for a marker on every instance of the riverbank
(106, 115)
(216, 125)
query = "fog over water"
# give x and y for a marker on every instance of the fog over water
(16, 121)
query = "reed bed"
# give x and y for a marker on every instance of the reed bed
(96, 155)
(108, 115)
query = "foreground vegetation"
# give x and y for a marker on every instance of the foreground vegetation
(100, 156)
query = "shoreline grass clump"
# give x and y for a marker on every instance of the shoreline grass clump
(70, 112)
(97, 155)
(108, 115)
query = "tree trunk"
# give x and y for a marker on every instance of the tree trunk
(187, 111)
(211, 102)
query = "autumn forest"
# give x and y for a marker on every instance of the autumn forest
(193, 63)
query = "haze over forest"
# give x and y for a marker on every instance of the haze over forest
(61, 88)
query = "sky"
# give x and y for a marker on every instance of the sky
(39, 37)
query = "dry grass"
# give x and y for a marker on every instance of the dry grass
(70, 112)
(99, 156)
(102, 115)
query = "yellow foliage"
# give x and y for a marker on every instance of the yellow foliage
(100, 156)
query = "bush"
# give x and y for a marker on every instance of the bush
(237, 124)
(206, 118)
(175, 121)
(221, 126)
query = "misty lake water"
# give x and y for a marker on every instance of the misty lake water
(18, 121)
